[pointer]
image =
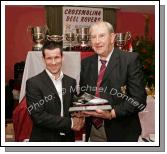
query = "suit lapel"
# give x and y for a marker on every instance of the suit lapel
(65, 95)
(94, 70)
(50, 84)
(64, 85)
(113, 62)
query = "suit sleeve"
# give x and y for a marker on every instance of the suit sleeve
(36, 109)
(136, 93)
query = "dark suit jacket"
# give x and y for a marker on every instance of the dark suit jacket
(123, 70)
(44, 107)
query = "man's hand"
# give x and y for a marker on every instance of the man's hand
(101, 114)
(78, 114)
(78, 123)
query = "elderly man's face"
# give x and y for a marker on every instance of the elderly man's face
(102, 40)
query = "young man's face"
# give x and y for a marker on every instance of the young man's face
(102, 40)
(53, 61)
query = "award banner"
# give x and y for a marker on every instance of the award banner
(79, 17)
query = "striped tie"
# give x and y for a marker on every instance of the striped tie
(98, 122)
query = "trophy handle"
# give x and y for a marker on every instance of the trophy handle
(29, 28)
(48, 38)
(64, 37)
(46, 29)
(128, 36)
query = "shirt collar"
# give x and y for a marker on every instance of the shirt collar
(108, 57)
(53, 77)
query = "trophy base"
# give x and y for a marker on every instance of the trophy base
(69, 48)
(85, 48)
(37, 47)
(83, 44)
(121, 48)
(90, 108)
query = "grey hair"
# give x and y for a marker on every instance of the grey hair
(107, 24)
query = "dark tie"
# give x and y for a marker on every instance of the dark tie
(98, 122)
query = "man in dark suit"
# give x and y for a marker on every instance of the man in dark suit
(49, 96)
(116, 76)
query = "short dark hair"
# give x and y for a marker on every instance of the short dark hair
(52, 45)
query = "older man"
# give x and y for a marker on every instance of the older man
(117, 77)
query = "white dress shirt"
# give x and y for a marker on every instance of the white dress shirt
(107, 59)
(58, 85)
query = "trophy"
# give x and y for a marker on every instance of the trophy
(122, 40)
(88, 102)
(82, 36)
(70, 37)
(56, 38)
(38, 34)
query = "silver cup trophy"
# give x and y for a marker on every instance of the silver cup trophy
(82, 35)
(38, 35)
(121, 40)
(70, 37)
